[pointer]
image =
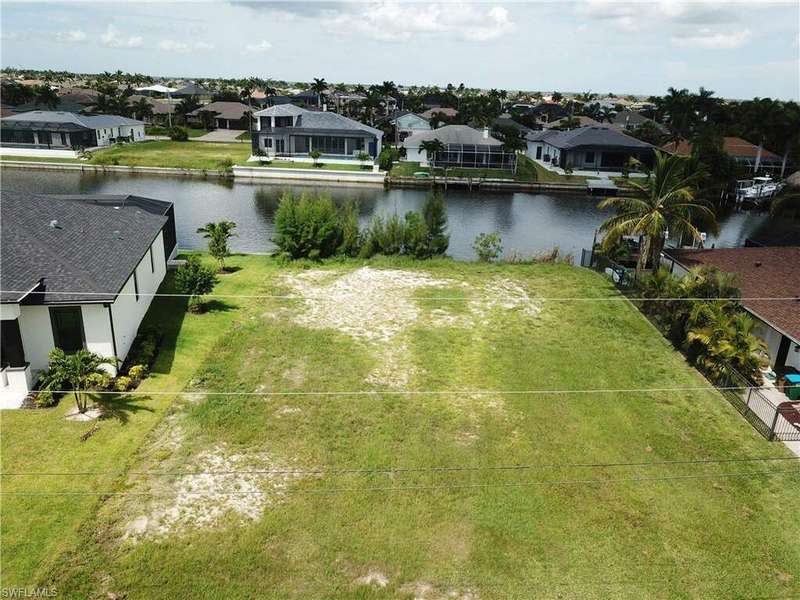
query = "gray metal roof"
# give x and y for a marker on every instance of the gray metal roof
(93, 248)
(317, 120)
(46, 117)
(452, 134)
(594, 137)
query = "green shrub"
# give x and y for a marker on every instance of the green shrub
(196, 279)
(435, 215)
(123, 383)
(98, 381)
(308, 227)
(388, 156)
(351, 235)
(488, 246)
(179, 134)
(144, 347)
(137, 372)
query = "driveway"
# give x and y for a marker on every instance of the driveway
(221, 135)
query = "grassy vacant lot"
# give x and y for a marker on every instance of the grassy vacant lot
(297, 526)
(183, 155)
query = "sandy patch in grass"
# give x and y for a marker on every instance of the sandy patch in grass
(198, 497)
(377, 306)
(373, 578)
(420, 590)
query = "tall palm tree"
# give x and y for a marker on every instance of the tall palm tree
(668, 205)
(142, 109)
(387, 90)
(319, 85)
(43, 94)
(431, 149)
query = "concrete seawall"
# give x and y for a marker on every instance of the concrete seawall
(89, 168)
(306, 175)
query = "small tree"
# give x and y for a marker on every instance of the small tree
(178, 134)
(196, 279)
(77, 370)
(363, 158)
(435, 215)
(488, 246)
(218, 235)
(315, 154)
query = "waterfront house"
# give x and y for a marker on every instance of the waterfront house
(64, 130)
(563, 122)
(761, 272)
(227, 115)
(287, 130)
(463, 147)
(591, 148)
(163, 111)
(405, 123)
(746, 154)
(77, 272)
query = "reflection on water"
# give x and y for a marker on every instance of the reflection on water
(527, 222)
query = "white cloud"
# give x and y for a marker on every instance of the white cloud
(714, 40)
(393, 21)
(183, 47)
(112, 39)
(262, 46)
(71, 37)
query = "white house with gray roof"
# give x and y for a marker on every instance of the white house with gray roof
(56, 130)
(591, 149)
(290, 131)
(75, 272)
(463, 146)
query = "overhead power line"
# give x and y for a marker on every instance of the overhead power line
(410, 488)
(415, 469)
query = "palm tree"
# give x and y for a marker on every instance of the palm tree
(431, 149)
(74, 370)
(606, 114)
(218, 235)
(319, 86)
(668, 205)
(387, 90)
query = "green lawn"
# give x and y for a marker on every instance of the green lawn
(193, 131)
(182, 155)
(491, 533)
(244, 136)
(527, 171)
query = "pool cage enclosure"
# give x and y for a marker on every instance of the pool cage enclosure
(476, 157)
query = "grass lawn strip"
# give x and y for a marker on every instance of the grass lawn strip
(316, 533)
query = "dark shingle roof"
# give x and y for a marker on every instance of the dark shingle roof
(768, 272)
(93, 248)
(225, 110)
(595, 137)
(191, 90)
(316, 120)
(51, 118)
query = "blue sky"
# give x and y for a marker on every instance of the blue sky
(738, 49)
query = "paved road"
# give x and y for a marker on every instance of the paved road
(220, 135)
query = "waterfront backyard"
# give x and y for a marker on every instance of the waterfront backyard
(358, 431)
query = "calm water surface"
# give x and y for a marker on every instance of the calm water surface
(527, 222)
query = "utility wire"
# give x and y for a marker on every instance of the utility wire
(533, 392)
(544, 483)
(419, 469)
(447, 298)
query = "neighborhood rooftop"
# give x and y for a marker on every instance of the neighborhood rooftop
(65, 120)
(766, 272)
(588, 137)
(317, 120)
(89, 244)
(454, 134)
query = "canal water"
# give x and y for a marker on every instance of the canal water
(527, 223)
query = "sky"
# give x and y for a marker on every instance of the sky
(738, 49)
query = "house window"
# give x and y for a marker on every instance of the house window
(67, 323)
(152, 262)
(590, 157)
(136, 285)
(268, 143)
(11, 350)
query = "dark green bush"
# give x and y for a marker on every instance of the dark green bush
(178, 134)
